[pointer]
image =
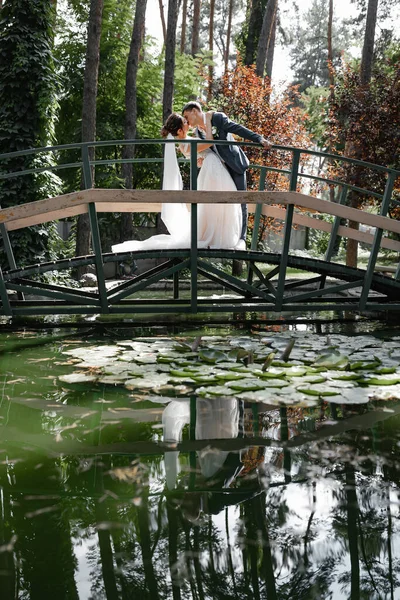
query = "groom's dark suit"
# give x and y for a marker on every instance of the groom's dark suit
(233, 156)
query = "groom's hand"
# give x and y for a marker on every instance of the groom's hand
(266, 143)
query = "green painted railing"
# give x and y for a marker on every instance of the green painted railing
(197, 266)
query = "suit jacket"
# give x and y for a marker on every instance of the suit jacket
(233, 156)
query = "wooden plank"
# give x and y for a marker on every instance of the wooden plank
(151, 199)
(63, 213)
(300, 219)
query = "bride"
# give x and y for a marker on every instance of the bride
(219, 225)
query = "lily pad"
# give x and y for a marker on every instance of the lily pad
(317, 390)
(212, 356)
(72, 378)
(216, 390)
(247, 385)
(332, 360)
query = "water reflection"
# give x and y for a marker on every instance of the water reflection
(307, 515)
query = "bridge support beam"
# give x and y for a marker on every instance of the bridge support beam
(377, 241)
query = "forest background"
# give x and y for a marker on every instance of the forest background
(83, 70)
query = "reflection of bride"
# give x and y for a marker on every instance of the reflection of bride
(219, 225)
(216, 419)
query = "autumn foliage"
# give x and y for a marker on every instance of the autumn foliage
(250, 100)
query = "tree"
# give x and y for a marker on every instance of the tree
(169, 70)
(132, 67)
(89, 107)
(196, 27)
(265, 36)
(309, 55)
(211, 49)
(27, 117)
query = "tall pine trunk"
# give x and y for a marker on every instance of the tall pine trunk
(89, 110)
(196, 27)
(183, 31)
(271, 49)
(228, 35)
(131, 107)
(365, 78)
(265, 36)
(164, 28)
(169, 70)
(254, 20)
(211, 49)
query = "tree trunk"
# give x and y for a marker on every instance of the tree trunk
(169, 69)
(254, 19)
(183, 31)
(265, 36)
(164, 28)
(271, 49)
(131, 107)
(365, 78)
(368, 46)
(89, 110)
(196, 27)
(211, 48)
(228, 35)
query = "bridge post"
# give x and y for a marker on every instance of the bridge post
(101, 282)
(193, 230)
(94, 228)
(256, 223)
(287, 231)
(333, 236)
(4, 297)
(377, 240)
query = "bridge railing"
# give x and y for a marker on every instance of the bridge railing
(263, 204)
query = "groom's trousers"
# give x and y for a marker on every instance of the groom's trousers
(241, 185)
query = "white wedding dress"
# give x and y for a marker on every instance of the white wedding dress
(218, 225)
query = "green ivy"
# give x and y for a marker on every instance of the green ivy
(28, 87)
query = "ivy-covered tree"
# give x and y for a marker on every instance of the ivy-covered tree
(28, 86)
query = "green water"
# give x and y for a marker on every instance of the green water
(255, 502)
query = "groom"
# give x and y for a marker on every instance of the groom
(233, 156)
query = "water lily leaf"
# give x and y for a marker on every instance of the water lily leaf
(157, 380)
(114, 379)
(342, 375)
(313, 378)
(72, 378)
(385, 370)
(355, 395)
(205, 379)
(275, 383)
(247, 385)
(229, 375)
(272, 373)
(296, 371)
(212, 356)
(317, 390)
(216, 390)
(270, 396)
(382, 380)
(364, 365)
(177, 373)
(332, 360)
(390, 392)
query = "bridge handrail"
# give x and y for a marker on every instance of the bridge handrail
(194, 141)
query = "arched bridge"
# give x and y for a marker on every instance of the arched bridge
(267, 285)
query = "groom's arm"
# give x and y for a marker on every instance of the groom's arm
(221, 121)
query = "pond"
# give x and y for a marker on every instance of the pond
(208, 464)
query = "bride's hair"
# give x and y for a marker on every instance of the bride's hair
(172, 125)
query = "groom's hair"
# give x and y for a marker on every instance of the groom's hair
(190, 106)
